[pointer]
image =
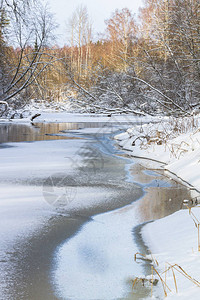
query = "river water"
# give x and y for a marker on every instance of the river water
(85, 249)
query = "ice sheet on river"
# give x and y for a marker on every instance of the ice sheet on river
(27, 215)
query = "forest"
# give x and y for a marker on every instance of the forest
(149, 64)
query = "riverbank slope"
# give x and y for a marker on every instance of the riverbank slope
(174, 146)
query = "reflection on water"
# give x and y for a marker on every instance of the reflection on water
(101, 253)
(42, 131)
(110, 233)
(27, 133)
(163, 196)
(160, 202)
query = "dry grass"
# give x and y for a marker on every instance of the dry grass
(174, 268)
(196, 223)
(163, 133)
(146, 257)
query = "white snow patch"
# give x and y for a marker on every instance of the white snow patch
(178, 153)
(173, 239)
(102, 256)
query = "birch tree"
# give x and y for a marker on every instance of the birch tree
(121, 31)
(80, 28)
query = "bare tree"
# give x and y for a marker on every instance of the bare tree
(169, 52)
(80, 37)
(121, 30)
(26, 39)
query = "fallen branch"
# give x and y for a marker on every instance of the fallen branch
(35, 116)
(171, 101)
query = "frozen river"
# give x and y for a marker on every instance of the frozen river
(70, 211)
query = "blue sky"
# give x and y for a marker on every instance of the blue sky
(99, 10)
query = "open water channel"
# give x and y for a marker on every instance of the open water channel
(84, 247)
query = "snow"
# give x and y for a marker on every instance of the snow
(24, 210)
(173, 239)
(26, 162)
(64, 116)
(179, 154)
(102, 256)
(21, 212)
(24, 166)
(20, 161)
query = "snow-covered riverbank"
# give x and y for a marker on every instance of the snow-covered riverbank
(24, 166)
(49, 189)
(173, 239)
